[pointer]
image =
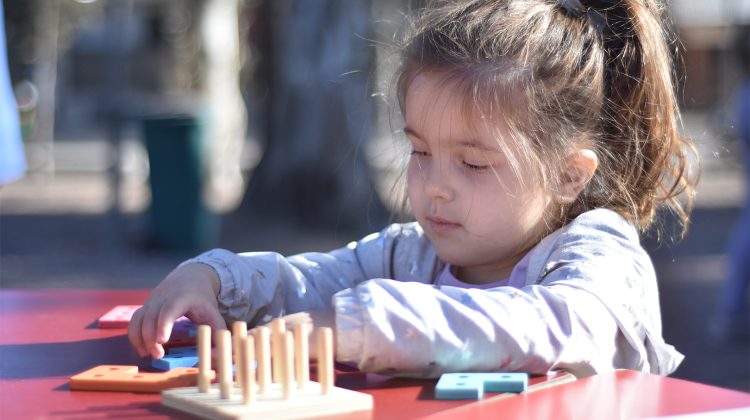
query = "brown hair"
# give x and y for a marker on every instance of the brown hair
(600, 77)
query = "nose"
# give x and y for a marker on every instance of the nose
(437, 182)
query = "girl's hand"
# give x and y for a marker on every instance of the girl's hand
(190, 290)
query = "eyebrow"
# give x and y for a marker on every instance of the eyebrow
(411, 132)
(474, 144)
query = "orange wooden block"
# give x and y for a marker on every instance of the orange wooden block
(129, 379)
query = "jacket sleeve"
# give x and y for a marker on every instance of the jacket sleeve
(258, 286)
(601, 256)
(419, 330)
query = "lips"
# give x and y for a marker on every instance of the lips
(440, 225)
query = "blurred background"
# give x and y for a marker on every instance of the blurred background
(156, 129)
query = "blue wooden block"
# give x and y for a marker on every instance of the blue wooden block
(471, 386)
(184, 351)
(505, 382)
(172, 361)
(459, 386)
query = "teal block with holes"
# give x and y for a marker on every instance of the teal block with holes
(471, 386)
(459, 386)
(504, 382)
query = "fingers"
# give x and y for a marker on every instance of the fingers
(134, 333)
(168, 312)
(148, 328)
(207, 314)
(186, 291)
(171, 310)
(215, 320)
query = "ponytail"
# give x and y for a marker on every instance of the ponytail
(646, 156)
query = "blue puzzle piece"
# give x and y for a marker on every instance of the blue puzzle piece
(505, 382)
(183, 351)
(471, 386)
(459, 386)
(172, 361)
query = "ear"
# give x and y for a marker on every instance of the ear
(579, 168)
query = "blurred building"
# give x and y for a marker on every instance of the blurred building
(156, 44)
(706, 29)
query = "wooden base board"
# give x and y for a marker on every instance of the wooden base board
(305, 403)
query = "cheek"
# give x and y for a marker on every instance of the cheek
(413, 180)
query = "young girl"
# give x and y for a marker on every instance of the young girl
(544, 137)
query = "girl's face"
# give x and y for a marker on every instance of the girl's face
(479, 216)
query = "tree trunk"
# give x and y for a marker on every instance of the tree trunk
(227, 120)
(320, 114)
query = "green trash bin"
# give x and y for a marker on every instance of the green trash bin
(179, 218)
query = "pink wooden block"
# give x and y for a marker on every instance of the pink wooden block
(117, 317)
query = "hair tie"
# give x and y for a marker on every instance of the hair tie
(573, 7)
(576, 9)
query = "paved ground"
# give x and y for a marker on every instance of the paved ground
(56, 232)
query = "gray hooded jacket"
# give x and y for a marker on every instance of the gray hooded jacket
(589, 303)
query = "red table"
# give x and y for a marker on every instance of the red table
(48, 335)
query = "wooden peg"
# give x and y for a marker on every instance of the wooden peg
(239, 331)
(263, 353)
(278, 330)
(224, 362)
(325, 359)
(301, 355)
(287, 368)
(204, 357)
(247, 355)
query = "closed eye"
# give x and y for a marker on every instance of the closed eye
(418, 153)
(473, 167)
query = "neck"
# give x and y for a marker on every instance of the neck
(488, 273)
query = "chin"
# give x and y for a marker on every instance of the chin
(452, 257)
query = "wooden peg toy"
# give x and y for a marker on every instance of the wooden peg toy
(312, 399)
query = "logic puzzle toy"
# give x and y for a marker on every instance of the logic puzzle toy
(290, 395)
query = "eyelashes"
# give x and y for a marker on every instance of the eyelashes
(477, 168)
(468, 165)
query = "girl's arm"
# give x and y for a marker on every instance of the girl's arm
(419, 330)
(257, 287)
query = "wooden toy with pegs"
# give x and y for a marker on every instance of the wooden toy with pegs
(292, 395)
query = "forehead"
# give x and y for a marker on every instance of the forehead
(429, 92)
(438, 107)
